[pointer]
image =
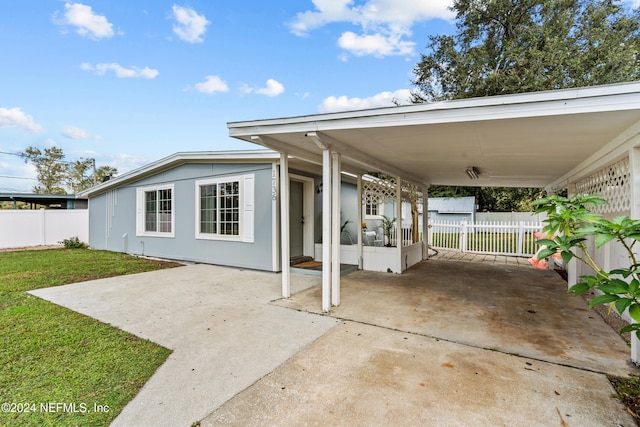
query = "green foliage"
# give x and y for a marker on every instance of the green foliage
(569, 223)
(492, 199)
(386, 225)
(50, 168)
(508, 46)
(74, 243)
(54, 173)
(52, 354)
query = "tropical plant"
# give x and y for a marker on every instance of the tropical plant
(570, 222)
(387, 227)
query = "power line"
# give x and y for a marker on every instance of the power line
(17, 177)
(11, 154)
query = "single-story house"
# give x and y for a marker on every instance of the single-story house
(223, 208)
(452, 209)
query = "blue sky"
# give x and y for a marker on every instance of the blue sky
(130, 82)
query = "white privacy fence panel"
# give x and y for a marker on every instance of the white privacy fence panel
(497, 238)
(20, 228)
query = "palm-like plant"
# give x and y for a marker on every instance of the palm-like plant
(387, 227)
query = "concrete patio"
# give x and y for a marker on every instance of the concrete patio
(446, 343)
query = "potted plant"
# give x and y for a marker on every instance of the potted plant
(387, 227)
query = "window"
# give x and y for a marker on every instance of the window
(373, 210)
(224, 208)
(155, 211)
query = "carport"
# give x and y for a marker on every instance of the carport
(552, 139)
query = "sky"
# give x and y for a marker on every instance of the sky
(131, 82)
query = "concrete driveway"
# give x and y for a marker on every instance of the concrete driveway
(444, 344)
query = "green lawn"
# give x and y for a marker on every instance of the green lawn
(58, 366)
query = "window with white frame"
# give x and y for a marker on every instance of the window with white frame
(155, 211)
(373, 210)
(224, 208)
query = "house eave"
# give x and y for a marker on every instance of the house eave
(176, 159)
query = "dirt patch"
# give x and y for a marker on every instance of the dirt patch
(31, 248)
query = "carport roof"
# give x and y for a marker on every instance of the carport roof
(522, 140)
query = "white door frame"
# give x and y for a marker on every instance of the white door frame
(308, 246)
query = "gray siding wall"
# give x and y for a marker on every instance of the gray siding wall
(112, 222)
(348, 211)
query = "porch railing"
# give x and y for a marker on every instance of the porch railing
(407, 239)
(498, 238)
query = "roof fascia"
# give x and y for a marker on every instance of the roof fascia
(537, 104)
(176, 159)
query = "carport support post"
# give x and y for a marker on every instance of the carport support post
(335, 229)
(399, 236)
(359, 228)
(326, 229)
(284, 226)
(634, 163)
(425, 222)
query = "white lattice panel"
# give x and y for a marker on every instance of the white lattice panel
(378, 190)
(612, 183)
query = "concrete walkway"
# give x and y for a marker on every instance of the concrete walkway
(218, 321)
(241, 358)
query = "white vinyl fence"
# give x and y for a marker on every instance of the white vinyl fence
(497, 238)
(20, 228)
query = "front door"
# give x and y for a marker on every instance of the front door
(296, 218)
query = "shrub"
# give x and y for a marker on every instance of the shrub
(74, 243)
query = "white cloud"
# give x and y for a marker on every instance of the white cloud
(212, 85)
(73, 132)
(190, 26)
(383, 99)
(120, 71)
(87, 23)
(273, 88)
(384, 23)
(16, 118)
(375, 44)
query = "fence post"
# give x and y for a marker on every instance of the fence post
(463, 235)
(520, 240)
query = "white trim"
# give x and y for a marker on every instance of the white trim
(245, 206)
(141, 210)
(307, 209)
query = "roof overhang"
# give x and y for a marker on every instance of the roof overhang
(522, 140)
(177, 159)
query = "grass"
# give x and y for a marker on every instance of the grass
(56, 365)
